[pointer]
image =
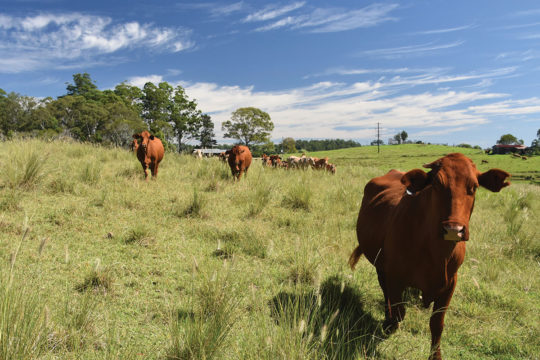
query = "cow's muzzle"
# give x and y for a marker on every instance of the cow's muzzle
(454, 233)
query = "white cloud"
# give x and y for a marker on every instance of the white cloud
(445, 30)
(272, 12)
(322, 20)
(139, 81)
(410, 50)
(352, 110)
(58, 40)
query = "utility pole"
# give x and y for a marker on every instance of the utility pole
(378, 140)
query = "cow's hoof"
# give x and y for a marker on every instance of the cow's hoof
(390, 326)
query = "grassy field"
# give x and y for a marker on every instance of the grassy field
(99, 264)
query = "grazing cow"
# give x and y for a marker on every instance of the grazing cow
(305, 162)
(223, 156)
(331, 168)
(413, 228)
(266, 160)
(293, 162)
(134, 146)
(484, 162)
(150, 152)
(321, 163)
(275, 160)
(197, 153)
(239, 160)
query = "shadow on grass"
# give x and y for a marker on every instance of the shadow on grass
(334, 320)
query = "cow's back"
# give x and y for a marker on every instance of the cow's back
(156, 150)
(381, 196)
(246, 158)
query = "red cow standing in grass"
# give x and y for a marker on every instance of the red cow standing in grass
(134, 146)
(413, 228)
(150, 152)
(239, 160)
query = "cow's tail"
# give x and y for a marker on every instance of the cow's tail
(355, 256)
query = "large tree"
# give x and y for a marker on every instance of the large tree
(157, 104)
(249, 125)
(206, 134)
(185, 119)
(289, 145)
(403, 135)
(509, 139)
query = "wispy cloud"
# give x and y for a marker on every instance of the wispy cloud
(272, 12)
(53, 40)
(351, 110)
(323, 20)
(410, 50)
(226, 10)
(445, 30)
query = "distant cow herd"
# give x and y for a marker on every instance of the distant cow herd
(413, 226)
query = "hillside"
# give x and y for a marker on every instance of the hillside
(409, 156)
(104, 265)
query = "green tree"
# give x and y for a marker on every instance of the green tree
(509, 139)
(157, 104)
(249, 125)
(403, 135)
(535, 145)
(185, 119)
(289, 145)
(206, 134)
(83, 86)
(122, 122)
(397, 138)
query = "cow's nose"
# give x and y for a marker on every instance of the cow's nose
(454, 232)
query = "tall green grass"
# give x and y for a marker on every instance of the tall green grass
(161, 289)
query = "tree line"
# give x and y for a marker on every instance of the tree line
(86, 113)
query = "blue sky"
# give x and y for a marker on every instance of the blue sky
(445, 71)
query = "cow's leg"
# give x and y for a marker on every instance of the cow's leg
(154, 168)
(144, 167)
(436, 323)
(382, 283)
(396, 308)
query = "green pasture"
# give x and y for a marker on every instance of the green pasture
(409, 156)
(96, 263)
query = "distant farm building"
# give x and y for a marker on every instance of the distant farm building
(209, 152)
(505, 149)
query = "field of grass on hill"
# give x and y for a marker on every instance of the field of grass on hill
(96, 263)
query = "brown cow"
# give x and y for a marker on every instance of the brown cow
(321, 163)
(134, 146)
(413, 228)
(150, 152)
(331, 168)
(223, 156)
(239, 160)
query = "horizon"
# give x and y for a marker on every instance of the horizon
(446, 73)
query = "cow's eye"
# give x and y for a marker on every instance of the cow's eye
(472, 189)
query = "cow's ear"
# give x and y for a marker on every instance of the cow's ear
(151, 137)
(415, 180)
(493, 179)
(434, 165)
